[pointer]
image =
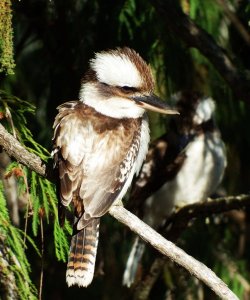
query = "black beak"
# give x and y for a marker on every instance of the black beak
(154, 103)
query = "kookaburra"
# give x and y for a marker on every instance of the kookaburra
(100, 142)
(182, 167)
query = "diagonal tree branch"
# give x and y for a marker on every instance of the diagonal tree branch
(196, 268)
(173, 252)
(179, 222)
(194, 36)
(21, 154)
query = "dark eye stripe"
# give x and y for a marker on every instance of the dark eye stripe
(127, 89)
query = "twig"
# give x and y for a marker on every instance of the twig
(10, 120)
(167, 248)
(28, 206)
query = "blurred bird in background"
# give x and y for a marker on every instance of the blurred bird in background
(182, 167)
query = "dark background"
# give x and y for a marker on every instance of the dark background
(53, 41)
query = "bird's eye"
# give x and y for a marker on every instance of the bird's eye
(128, 89)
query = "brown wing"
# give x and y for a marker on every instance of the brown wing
(164, 159)
(95, 156)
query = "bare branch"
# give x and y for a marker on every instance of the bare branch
(181, 218)
(179, 221)
(15, 149)
(196, 268)
(173, 252)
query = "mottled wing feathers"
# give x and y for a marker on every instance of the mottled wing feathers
(96, 155)
(70, 150)
(112, 177)
(164, 159)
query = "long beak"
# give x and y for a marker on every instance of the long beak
(154, 103)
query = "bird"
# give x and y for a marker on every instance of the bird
(183, 166)
(99, 143)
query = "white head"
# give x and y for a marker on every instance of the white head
(196, 112)
(204, 110)
(120, 84)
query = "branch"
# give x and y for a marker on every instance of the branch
(193, 36)
(167, 248)
(145, 286)
(179, 221)
(22, 155)
(181, 218)
(14, 149)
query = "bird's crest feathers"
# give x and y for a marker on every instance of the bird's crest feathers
(122, 67)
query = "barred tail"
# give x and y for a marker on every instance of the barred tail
(81, 263)
(133, 262)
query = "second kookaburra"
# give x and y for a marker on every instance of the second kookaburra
(100, 142)
(182, 167)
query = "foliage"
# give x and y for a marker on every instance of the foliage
(14, 111)
(6, 45)
(42, 198)
(11, 240)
